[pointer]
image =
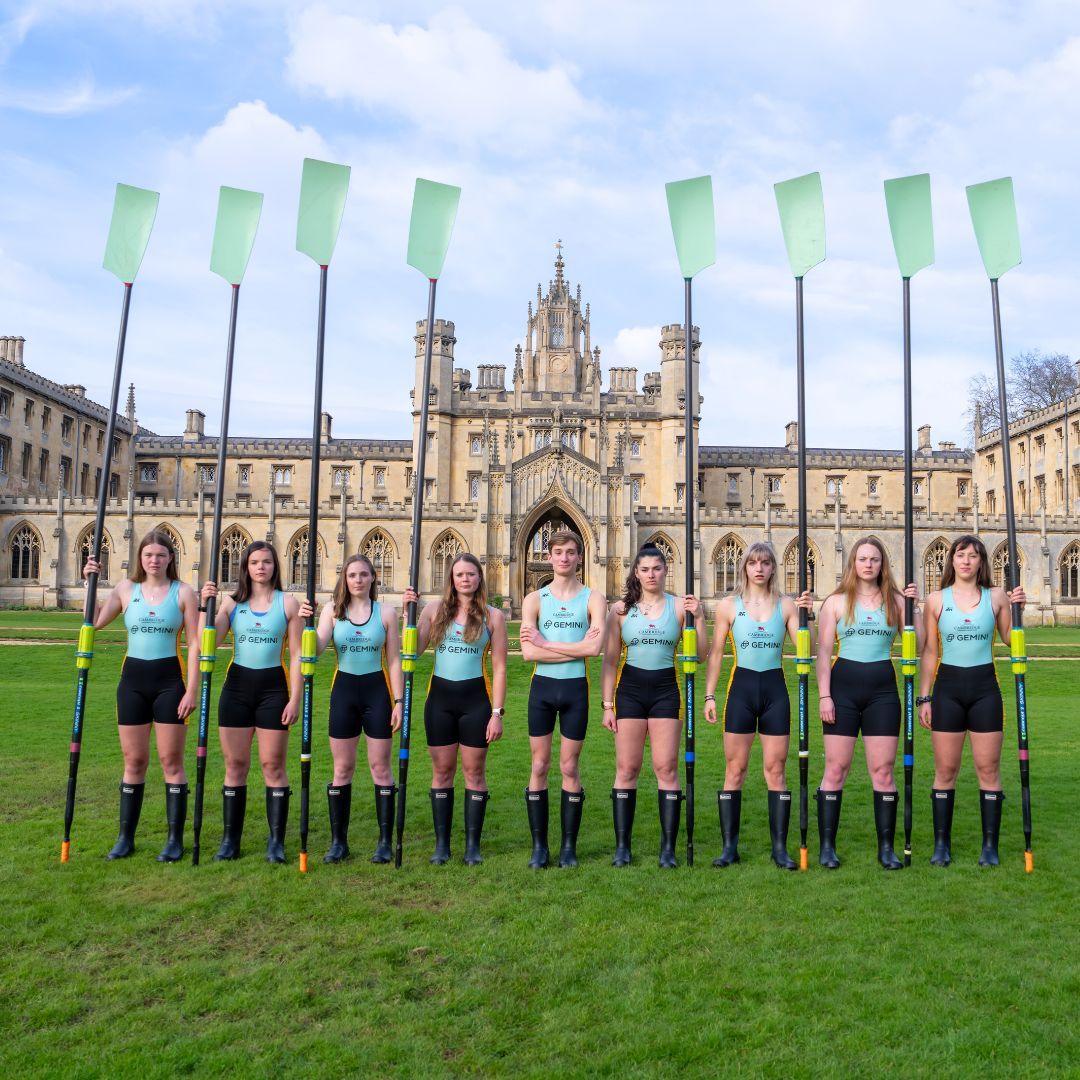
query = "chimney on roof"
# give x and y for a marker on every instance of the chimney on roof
(791, 435)
(325, 424)
(924, 440)
(195, 426)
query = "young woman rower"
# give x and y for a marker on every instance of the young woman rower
(256, 695)
(463, 712)
(156, 607)
(365, 698)
(958, 660)
(756, 619)
(644, 631)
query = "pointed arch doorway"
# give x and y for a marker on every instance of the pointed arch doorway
(533, 555)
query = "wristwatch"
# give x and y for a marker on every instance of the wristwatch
(498, 712)
(608, 704)
(925, 700)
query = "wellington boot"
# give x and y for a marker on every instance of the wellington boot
(571, 805)
(475, 809)
(942, 803)
(885, 823)
(339, 804)
(233, 810)
(730, 803)
(131, 797)
(779, 819)
(623, 805)
(277, 818)
(536, 805)
(828, 821)
(384, 815)
(442, 817)
(990, 808)
(176, 799)
(670, 805)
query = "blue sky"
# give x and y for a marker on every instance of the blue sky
(562, 120)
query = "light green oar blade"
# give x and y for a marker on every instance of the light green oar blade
(323, 187)
(993, 213)
(693, 223)
(434, 209)
(802, 217)
(911, 220)
(134, 210)
(234, 233)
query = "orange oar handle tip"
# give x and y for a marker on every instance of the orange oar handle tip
(303, 862)
(65, 850)
(804, 859)
(1029, 862)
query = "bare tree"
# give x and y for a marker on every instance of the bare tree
(1035, 380)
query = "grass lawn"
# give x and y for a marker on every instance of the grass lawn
(142, 969)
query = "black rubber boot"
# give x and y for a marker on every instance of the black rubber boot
(536, 805)
(176, 815)
(571, 805)
(828, 821)
(339, 804)
(623, 805)
(779, 819)
(233, 810)
(131, 797)
(730, 803)
(990, 807)
(670, 804)
(384, 815)
(885, 823)
(277, 817)
(442, 817)
(475, 809)
(942, 803)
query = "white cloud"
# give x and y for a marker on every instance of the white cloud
(84, 97)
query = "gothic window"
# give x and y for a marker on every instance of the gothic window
(726, 557)
(873, 485)
(1070, 572)
(379, 548)
(65, 474)
(667, 549)
(558, 331)
(635, 489)
(174, 539)
(934, 565)
(43, 467)
(429, 489)
(772, 484)
(680, 446)
(25, 554)
(569, 438)
(114, 485)
(733, 483)
(380, 476)
(100, 441)
(6, 399)
(962, 488)
(999, 566)
(476, 445)
(296, 561)
(207, 474)
(243, 475)
(86, 549)
(28, 412)
(282, 475)
(635, 448)
(148, 472)
(443, 552)
(66, 425)
(341, 478)
(46, 414)
(474, 488)
(916, 488)
(430, 441)
(233, 542)
(541, 541)
(791, 567)
(680, 494)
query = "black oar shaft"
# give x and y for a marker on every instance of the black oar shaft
(1017, 646)
(84, 654)
(690, 651)
(208, 643)
(908, 663)
(409, 637)
(802, 645)
(309, 649)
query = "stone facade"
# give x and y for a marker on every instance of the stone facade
(507, 464)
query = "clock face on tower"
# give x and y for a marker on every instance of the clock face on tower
(558, 365)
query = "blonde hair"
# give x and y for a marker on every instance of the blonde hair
(757, 552)
(886, 584)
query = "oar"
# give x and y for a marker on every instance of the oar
(693, 223)
(133, 215)
(234, 234)
(802, 218)
(433, 212)
(993, 213)
(323, 187)
(907, 199)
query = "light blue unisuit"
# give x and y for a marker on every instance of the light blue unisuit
(360, 645)
(868, 639)
(758, 646)
(563, 621)
(259, 636)
(650, 643)
(457, 659)
(154, 629)
(967, 637)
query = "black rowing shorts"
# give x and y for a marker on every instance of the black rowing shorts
(565, 700)
(360, 704)
(647, 695)
(757, 701)
(253, 697)
(457, 711)
(865, 698)
(149, 691)
(967, 699)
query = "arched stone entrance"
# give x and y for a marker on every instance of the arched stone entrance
(535, 570)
